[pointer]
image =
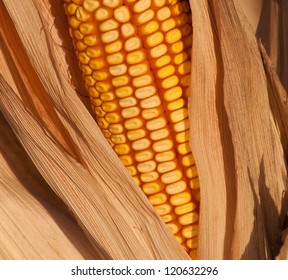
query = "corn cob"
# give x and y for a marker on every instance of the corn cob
(135, 59)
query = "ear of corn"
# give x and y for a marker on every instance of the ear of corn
(135, 59)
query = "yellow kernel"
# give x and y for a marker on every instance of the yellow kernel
(168, 24)
(154, 39)
(188, 218)
(188, 160)
(96, 101)
(103, 13)
(159, 3)
(173, 227)
(148, 114)
(93, 92)
(180, 58)
(163, 209)
(133, 44)
(176, 187)
(112, 3)
(142, 81)
(116, 128)
(165, 156)
(179, 115)
(102, 123)
(118, 70)
(120, 81)
(113, 47)
(108, 25)
(158, 51)
(89, 81)
(71, 9)
(97, 63)
(163, 13)
(191, 172)
(185, 208)
(179, 238)
(184, 148)
(130, 112)
(177, 8)
(122, 149)
(122, 14)
(110, 106)
(181, 126)
(115, 58)
(185, 81)
(176, 104)
(83, 15)
(80, 46)
(150, 102)
(94, 52)
(136, 134)
(128, 102)
(83, 58)
(156, 123)
(107, 96)
(73, 22)
(158, 198)
(127, 30)
(137, 180)
(133, 123)
(194, 184)
(159, 134)
(141, 144)
(141, 6)
(146, 166)
(90, 5)
(183, 136)
(190, 231)
(86, 70)
(161, 61)
(99, 112)
(180, 198)
(112, 117)
(110, 36)
(78, 35)
(118, 139)
(132, 170)
(165, 71)
(168, 218)
(103, 86)
(123, 92)
(173, 93)
(149, 177)
(100, 75)
(91, 40)
(145, 92)
(87, 28)
(177, 47)
(170, 82)
(144, 155)
(167, 166)
(172, 36)
(144, 17)
(138, 69)
(171, 177)
(135, 57)
(127, 160)
(152, 187)
(162, 145)
(184, 68)
(192, 243)
(149, 28)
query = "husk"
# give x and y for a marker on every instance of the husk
(64, 191)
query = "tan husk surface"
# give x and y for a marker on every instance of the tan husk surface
(65, 195)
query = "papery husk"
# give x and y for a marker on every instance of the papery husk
(236, 144)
